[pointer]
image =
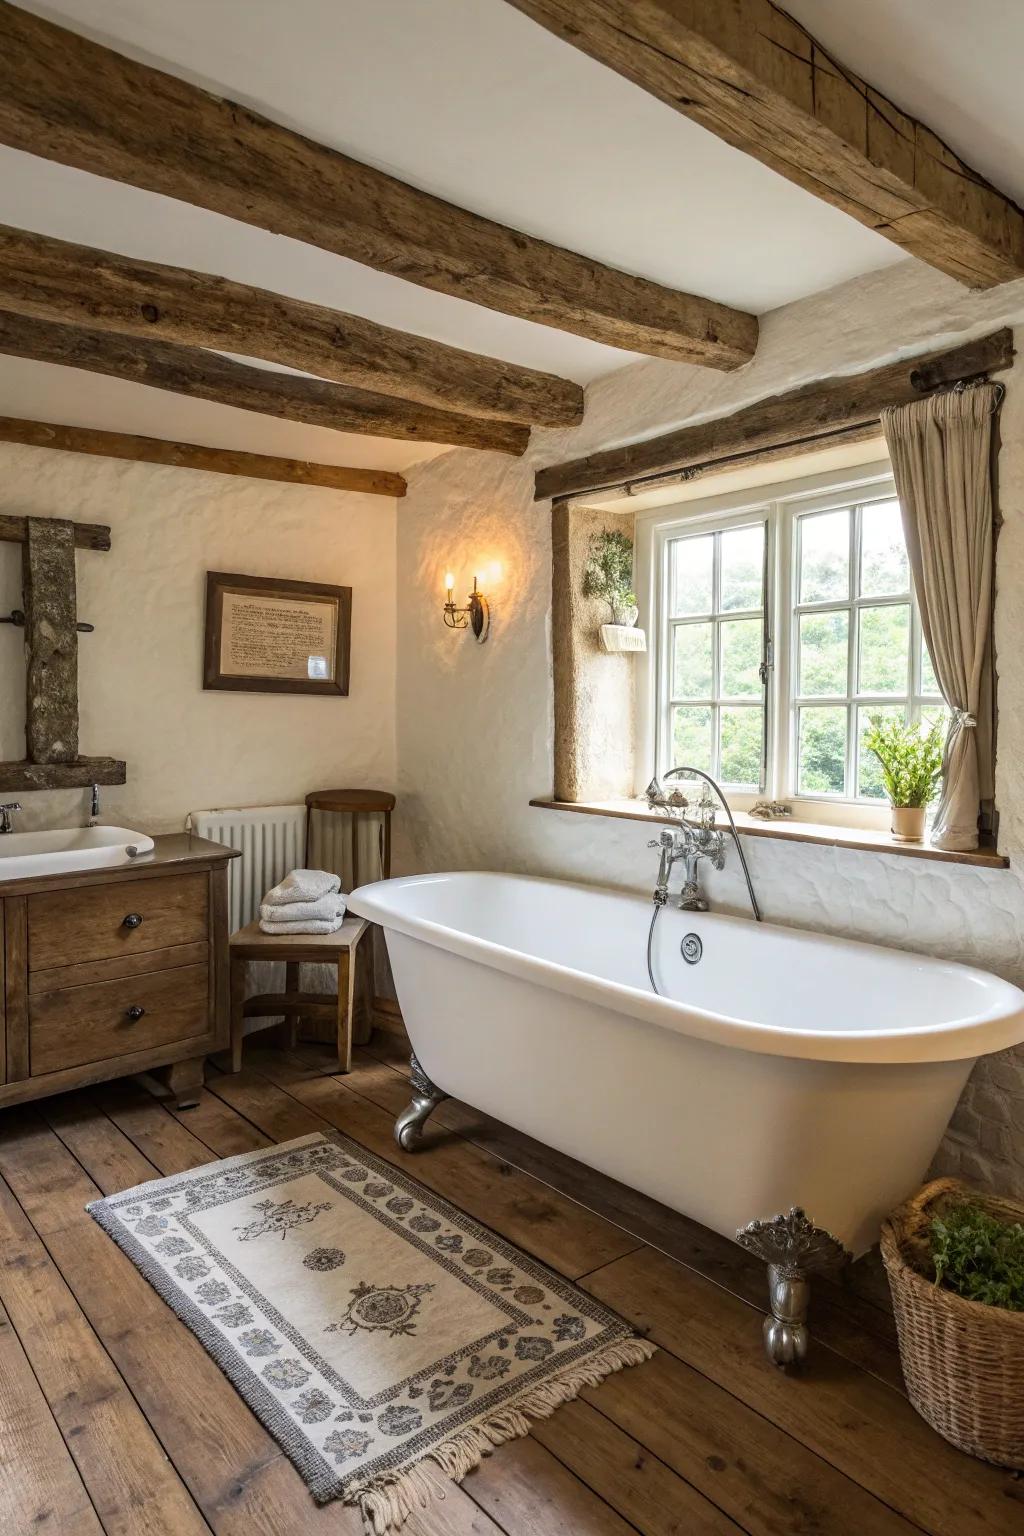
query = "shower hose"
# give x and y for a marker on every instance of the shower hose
(650, 948)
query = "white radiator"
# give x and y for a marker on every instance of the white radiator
(271, 840)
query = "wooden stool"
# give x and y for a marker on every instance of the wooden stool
(251, 943)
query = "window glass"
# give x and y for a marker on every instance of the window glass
(824, 556)
(884, 567)
(693, 665)
(742, 556)
(691, 736)
(692, 575)
(824, 654)
(822, 757)
(741, 657)
(884, 649)
(741, 743)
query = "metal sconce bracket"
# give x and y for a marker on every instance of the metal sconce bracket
(475, 616)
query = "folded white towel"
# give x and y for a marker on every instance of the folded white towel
(282, 929)
(324, 910)
(302, 885)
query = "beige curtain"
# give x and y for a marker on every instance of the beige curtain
(941, 451)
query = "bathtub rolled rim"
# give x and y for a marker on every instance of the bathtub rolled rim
(976, 1034)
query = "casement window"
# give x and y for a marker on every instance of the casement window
(780, 623)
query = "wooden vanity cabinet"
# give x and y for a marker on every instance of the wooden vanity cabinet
(115, 971)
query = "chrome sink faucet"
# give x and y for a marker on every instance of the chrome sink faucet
(693, 838)
(6, 815)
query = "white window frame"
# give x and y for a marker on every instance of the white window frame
(780, 504)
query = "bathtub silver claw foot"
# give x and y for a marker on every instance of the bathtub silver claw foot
(793, 1248)
(426, 1096)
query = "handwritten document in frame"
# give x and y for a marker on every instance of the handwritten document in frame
(269, 636)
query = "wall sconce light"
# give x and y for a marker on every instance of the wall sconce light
(475, 616)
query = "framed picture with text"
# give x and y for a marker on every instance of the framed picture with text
(265, 635)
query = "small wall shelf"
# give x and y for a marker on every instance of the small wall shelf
(77, 775)
(622, 638)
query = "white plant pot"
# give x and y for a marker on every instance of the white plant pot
(625, 617)
(908, 822)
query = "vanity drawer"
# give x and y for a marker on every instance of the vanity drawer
(125, 917)
(75, 1025)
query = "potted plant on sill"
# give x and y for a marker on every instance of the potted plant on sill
(910, 758)
(955, 1261)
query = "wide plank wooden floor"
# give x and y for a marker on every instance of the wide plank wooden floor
(113, 1419)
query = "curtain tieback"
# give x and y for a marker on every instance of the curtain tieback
(964, 720)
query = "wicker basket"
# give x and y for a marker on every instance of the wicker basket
(963, 1361)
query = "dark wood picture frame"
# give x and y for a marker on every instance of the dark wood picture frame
(219, 583)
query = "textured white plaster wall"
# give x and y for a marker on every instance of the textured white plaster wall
(475, 723)
(140, 674)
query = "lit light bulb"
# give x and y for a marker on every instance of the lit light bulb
(449, 580)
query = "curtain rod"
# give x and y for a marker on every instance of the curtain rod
(861, 431)
(636, 486)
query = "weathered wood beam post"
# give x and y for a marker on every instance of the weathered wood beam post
(51, 644)
(51, 641)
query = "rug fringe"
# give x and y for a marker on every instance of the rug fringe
(386, 1505)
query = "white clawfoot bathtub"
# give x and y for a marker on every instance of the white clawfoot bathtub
(783, 1068)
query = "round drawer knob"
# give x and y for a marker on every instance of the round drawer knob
(133, 920)
(135, 1012)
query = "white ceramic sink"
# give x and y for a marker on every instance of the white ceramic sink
(23, 854)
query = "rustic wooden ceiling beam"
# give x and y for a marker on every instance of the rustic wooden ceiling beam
(73, 284)
(208, 376)
(221, 461)
(81, 104)
(753, 76)
(814, 411)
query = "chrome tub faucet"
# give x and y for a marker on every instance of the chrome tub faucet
(694, 837)
(6, 815)
(690, 845)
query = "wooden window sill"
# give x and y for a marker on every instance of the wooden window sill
(862, 839)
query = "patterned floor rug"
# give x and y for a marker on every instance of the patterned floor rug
(384, 1339)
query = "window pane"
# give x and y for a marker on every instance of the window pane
(691, 737)
(740, 748)
(691, 673)
(822, 751)
(741, 657)
(824, 556)
(884, 568)
(824, 653)
(932, 712)
(884, 639)
(929, 682)
(742, 578)
(869, 773)
(692, 566)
